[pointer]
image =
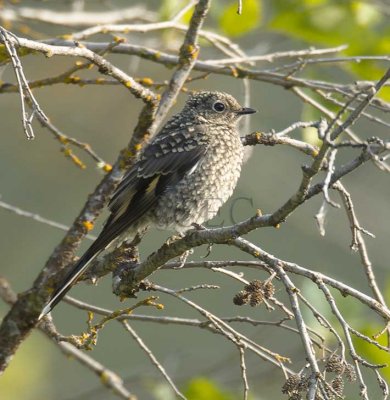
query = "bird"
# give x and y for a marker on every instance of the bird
(180, 179)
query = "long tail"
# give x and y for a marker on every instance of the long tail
(112, 229)
(68, 281)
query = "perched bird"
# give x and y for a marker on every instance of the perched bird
(182, 177)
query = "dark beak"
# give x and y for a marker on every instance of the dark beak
(246, 110)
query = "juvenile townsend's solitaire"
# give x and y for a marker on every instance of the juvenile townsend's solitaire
(182, 177)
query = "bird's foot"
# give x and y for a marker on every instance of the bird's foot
(183, 258)
(174, 238)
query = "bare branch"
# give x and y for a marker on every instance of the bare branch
(203, 324)
(187, 57)
(272, 139)
(224, 235)
(24, 90)
(79, 18)
(37, 217)
(225, 329)
(344, 289)
(78, 50)
(152, 357)
(358, 242)
(243, 372)
(271, 57)
(307, 344)
(66, 47)
(106, 376)
(109, 378)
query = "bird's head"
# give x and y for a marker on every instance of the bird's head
(215, 107)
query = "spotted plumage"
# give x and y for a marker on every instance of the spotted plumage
(183, 176)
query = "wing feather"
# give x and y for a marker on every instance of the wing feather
(162, 165)
(158, 168)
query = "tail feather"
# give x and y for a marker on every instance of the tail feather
(68, 281)
(110, 232)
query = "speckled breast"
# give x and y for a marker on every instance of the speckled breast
(200, 194)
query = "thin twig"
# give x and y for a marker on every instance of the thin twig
(321, 214)
(334, 60)
(38, 218)
(330, 98)
(79, 18)
(311, 274)
(152, 357)
(272, 139)
(225, 329)
(24, 90)
(301, 325)
(362, 105)
(203, 324)
(358, 241)
(243, 372)
(323, 322)
(187, 57)
(106, 376)
(66, 47)
(271, 57)
(78, 50)
(309, 100)
(355, 357)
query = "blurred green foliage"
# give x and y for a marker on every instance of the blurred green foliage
(233, 24)
(333, 22)
(29, 369)
(372, 353)
(169, 8)
(205, 389)
(359, 24)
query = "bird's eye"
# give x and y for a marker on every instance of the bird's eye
(218, 106)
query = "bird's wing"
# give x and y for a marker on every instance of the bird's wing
(162, 164)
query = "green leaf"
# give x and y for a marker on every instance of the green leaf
(237, 25)
(205, 389)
